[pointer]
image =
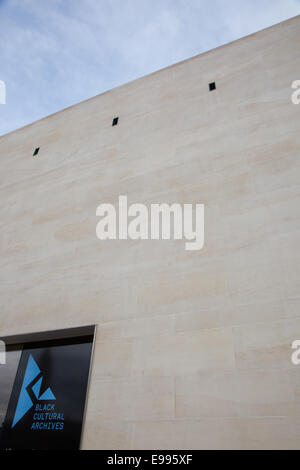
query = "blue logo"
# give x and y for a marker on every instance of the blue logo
(31, 389)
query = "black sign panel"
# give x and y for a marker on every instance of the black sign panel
(47, 403)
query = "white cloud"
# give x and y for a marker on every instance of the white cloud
(56, 53)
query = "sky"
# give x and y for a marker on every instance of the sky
(55, 53)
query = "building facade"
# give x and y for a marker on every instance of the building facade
(193, 348)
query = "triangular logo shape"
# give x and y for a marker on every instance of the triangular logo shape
(47, 395)
(25, 403)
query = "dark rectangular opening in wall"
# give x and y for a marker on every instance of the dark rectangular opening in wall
(212, 86)
(36, 151)
(115, 121)
(47, 371)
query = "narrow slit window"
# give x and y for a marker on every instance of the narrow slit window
(212, 86)
(115, 121)
(36, 151)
